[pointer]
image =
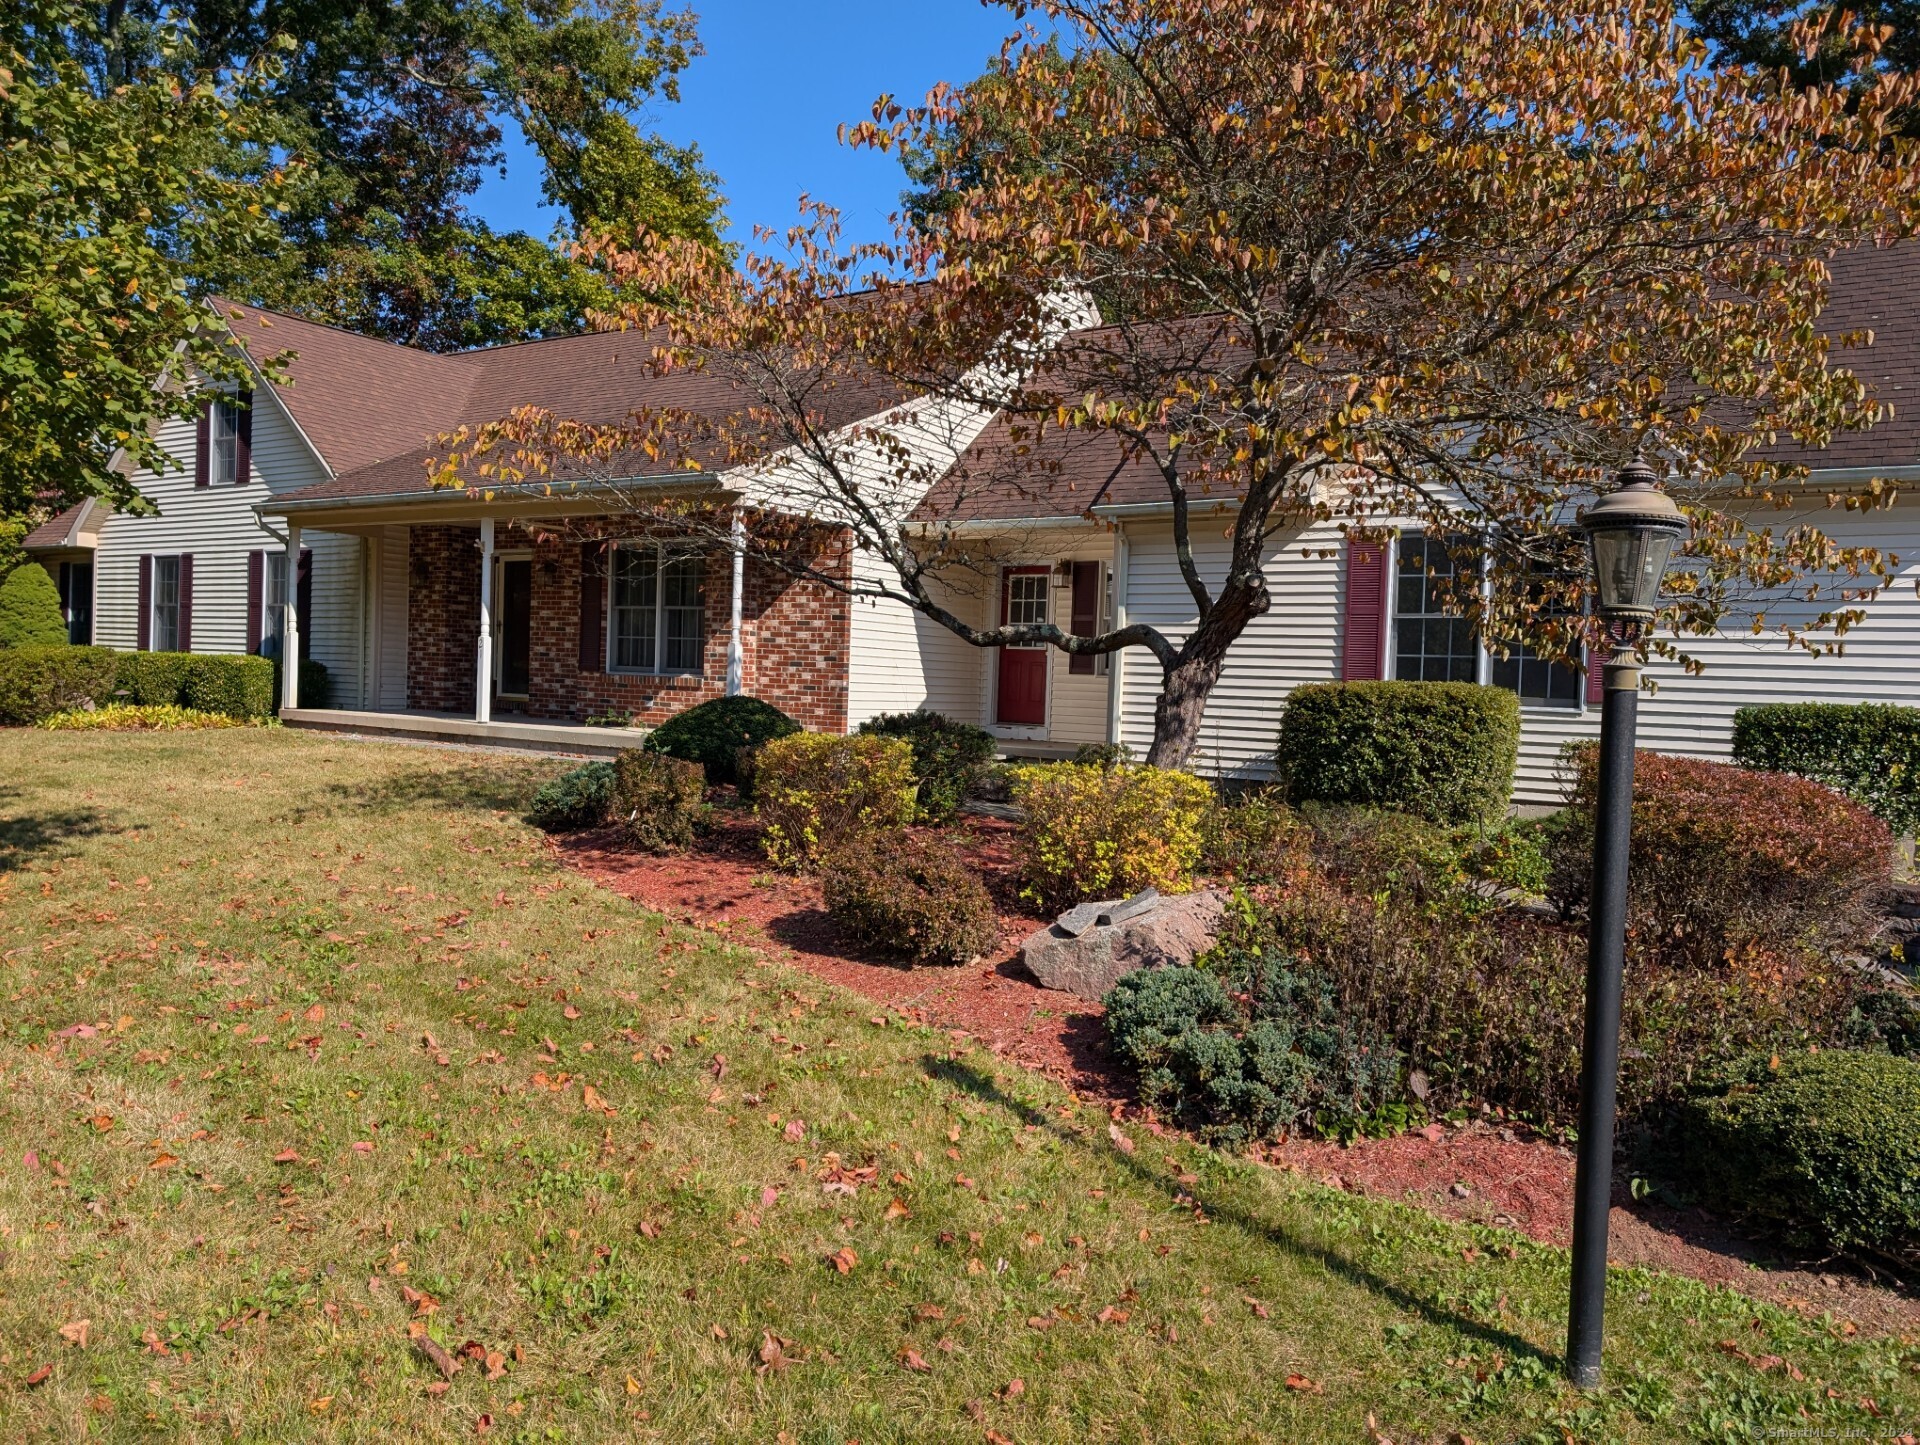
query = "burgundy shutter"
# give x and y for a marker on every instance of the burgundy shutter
(1596, 676)
(243, 448)
(202, 443)
(256, 596)
(1364, 655)
(144, 627)
(592, 585)
(303, 603)
(1086, 613)
(186, 602)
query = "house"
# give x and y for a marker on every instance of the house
(538, 615)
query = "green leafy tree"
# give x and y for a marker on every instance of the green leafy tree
(395, 109)
(113, 200)
(1811, 46)
(30, 609)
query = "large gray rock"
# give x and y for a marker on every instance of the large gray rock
(1090, 948)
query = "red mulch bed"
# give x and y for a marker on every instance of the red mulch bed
(728, 886)
(1482, 1172)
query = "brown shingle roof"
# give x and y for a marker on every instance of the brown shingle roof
(375, 410)
(54, 531)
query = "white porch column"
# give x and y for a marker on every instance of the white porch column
(483, 683)
(1117, 659)
(736, 657)
(290, 625)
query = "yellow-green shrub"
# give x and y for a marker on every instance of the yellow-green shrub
(1099, 832)
(815, 789)
(165, 717)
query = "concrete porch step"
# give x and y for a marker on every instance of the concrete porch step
(563, 738)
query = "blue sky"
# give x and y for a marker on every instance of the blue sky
(764, 101)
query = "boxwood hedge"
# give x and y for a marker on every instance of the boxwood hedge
(1444, 751)
(1869, 751)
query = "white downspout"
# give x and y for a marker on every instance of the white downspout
(290, 627)
(1117, 660)
(483, 683)
(736, 656)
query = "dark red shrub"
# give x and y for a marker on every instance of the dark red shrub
(909, 894)
(1730, 866)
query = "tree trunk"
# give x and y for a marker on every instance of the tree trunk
(1189, 682)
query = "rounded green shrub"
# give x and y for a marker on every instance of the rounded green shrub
(1826, 1145)
(30, 609)
(715, 733)
(37, 682)
(659, 801)
(947, 756)
(582, 797)
(1444, 751)
(912, 896)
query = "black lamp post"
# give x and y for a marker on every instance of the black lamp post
(1632, 531)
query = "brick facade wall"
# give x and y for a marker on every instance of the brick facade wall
(443, 617)
(795, 635)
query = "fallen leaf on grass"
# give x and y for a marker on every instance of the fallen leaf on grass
(164, 1161)
(773, 1353)
(1259, 1310)
(102, 1122)
(1112, 1316)
(1013, 1389)
(433, 1350)
(843, 1259)
(1120, 1139)
(76, 1332)
(321, 1405)
(1304, 1386)
(1374, 1433)
(287, 1156)
(596, 1101)
(362, 1146)
(795, 1131)
(422, 1304)
(911, 1360)
(898, 1210)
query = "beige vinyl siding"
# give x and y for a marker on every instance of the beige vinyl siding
(388, 564)
(217, 525)
(1300, 641)
(899, 660)
(1297, 641)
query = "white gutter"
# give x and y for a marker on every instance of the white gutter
(519, 491)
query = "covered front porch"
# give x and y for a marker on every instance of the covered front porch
(568, 626)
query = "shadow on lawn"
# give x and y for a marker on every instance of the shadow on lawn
(26, 836)
(473, 786)
(986, 1089)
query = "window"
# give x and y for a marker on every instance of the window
(658, 619)
(1026, 598)
(223, 441)
(166, 604)
(1537, 679)
(1430, 644)
(273, 603)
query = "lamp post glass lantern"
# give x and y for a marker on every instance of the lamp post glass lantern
(1632, 531)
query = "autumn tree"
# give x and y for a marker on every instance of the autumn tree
(1355, 261)
(111, 201)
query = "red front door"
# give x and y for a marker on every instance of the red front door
(1023, 670)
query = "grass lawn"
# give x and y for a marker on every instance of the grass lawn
(313, 1066)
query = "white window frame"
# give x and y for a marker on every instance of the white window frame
(1484, 659)
(274, 597)
(223, 442)
(663, 554)
(154, 605)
